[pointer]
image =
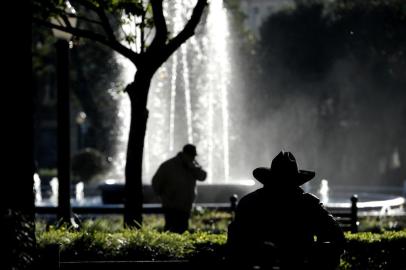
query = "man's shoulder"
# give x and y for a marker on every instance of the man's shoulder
(310, 198)
(312, 202)
(252, 196)
(170, 161)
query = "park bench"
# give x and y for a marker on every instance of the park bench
(347, 217)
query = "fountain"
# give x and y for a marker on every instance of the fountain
(323, 191)
(79, 193)
(188, 103)
(372, 202)
(54, 183)
(37, 189)
(188, 100)
(77, 199)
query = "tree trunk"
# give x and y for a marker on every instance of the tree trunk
(138, 93)
(64, 206)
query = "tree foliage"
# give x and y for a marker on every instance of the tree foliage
(330, 69)
(88, 163)
(95, 86)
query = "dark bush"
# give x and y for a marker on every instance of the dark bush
(88, 163)
(370, 251)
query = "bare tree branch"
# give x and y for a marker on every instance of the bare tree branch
(99, 10)
(142, 32)
(87, 4)
(88, 20)
(188, 31)
(106, 24)
(66, 20)
(161, 30)
(114, 44)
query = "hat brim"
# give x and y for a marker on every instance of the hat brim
(265, 176)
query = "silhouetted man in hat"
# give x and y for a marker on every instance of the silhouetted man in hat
(281, 224)
(175, 183)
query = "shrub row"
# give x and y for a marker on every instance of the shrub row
(370, 251)
(127, 244)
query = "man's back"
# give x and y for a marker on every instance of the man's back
(175, 184)
(271, 222)
(281, 222)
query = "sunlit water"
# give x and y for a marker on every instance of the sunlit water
(324, 191)
(37, 188)
(188, 99)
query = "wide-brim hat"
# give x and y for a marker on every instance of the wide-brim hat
(283, 168)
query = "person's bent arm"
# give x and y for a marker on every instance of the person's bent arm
(198, 172)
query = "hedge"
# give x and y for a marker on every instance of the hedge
(370, 251)
(365, 250)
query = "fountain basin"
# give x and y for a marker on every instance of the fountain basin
(221, 192)
(369, 202)
(113, 193)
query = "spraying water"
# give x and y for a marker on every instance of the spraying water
(37, 189)
(80, 193)
(188, 99)
(323, 191)
(54, 183)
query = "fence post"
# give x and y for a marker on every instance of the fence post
(233, 204)
(354, 213)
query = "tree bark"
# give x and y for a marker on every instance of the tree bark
(64, 206)
(138, 93)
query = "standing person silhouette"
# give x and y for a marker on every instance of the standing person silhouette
(281, 224)
(175, 183)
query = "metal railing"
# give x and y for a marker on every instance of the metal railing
(347, 217)
(118, 209)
